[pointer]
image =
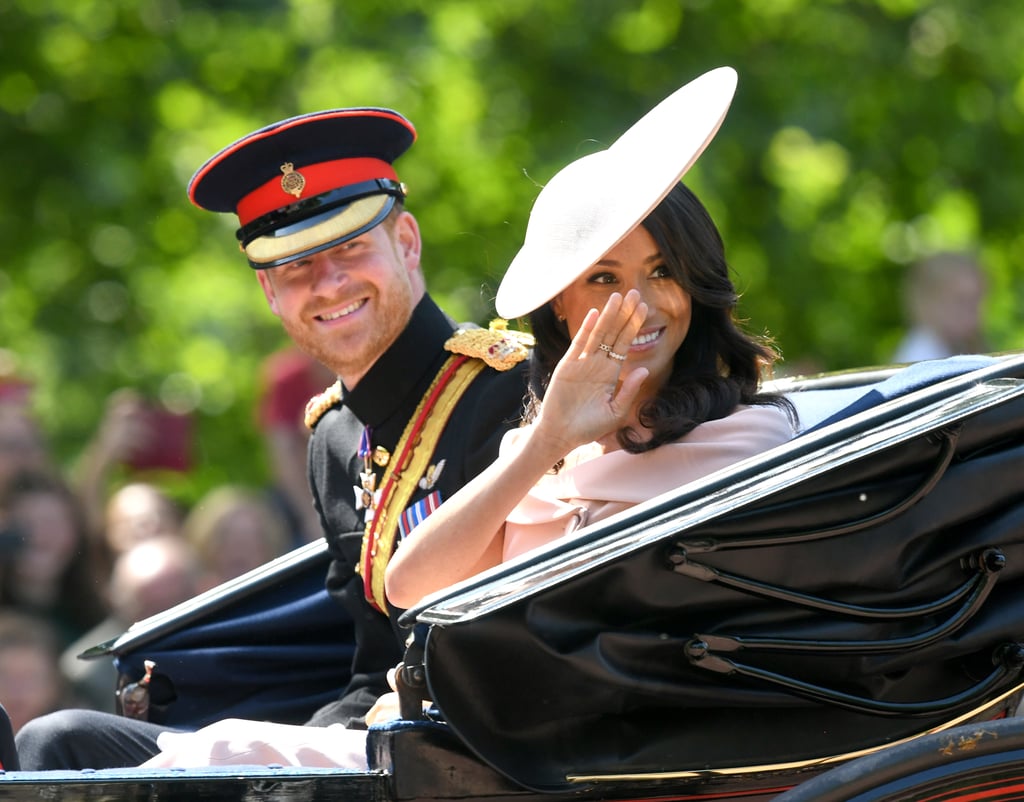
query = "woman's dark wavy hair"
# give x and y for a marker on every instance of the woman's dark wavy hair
(717, 367)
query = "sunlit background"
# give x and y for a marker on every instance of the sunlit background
(864, 134)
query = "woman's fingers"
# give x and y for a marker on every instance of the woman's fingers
(592, 391)
(606, 324)
(629, 389)
(580, 342)
(611, 328)
(631, 326)
(619, 322)
(606, 334)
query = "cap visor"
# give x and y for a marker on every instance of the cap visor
(318, 233)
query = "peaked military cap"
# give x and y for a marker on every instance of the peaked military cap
(307, 183)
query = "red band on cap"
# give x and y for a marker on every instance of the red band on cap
(319, 178)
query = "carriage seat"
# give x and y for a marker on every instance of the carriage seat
(817, 407)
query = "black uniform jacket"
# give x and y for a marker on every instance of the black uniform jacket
(385, 399)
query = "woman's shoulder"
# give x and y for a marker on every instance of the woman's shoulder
(749, 414)
(767, 424)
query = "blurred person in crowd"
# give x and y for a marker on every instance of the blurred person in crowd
(31, 683)
(943, 296)
(53, 569)
(151, 576)
(130, 513)
(234, 529)
(289, 379)
(134, 436)
(15, 389)
(139, 511)
(22, 445)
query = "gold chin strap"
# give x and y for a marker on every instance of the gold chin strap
(408, 463)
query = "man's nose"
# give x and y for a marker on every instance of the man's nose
(328, 272)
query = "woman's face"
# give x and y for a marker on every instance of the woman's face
(51, 538)
(634, 264)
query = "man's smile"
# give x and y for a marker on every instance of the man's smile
(344, 311)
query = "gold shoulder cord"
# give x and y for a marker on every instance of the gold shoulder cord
(412, 456)
(472, 349)
(320, 403)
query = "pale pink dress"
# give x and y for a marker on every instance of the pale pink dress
(590, 486)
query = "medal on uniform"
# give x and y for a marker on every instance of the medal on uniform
(431, 475)
(366, 493)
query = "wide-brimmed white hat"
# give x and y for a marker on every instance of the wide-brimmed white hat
(590, 205)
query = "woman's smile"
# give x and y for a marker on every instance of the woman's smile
(647, 337)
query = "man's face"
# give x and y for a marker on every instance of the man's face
(345, 306)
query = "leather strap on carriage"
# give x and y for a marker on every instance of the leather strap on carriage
(411, 458)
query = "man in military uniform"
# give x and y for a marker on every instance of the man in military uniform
(419, 407)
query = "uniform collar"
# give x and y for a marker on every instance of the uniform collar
(412, 359)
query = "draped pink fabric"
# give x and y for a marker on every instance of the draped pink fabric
(593, 485)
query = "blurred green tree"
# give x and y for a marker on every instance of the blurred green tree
(864, 133)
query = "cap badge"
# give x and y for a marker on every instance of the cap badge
(292, 182)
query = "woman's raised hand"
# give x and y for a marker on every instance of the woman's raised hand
(592, 392)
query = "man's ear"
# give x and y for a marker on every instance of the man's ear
(268, 290)
(407, 240)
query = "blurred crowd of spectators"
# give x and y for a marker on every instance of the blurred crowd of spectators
(87, 550)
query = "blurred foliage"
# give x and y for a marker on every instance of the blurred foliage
(864, 133)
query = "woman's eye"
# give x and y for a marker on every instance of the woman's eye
(661, 271)
(602, 278)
